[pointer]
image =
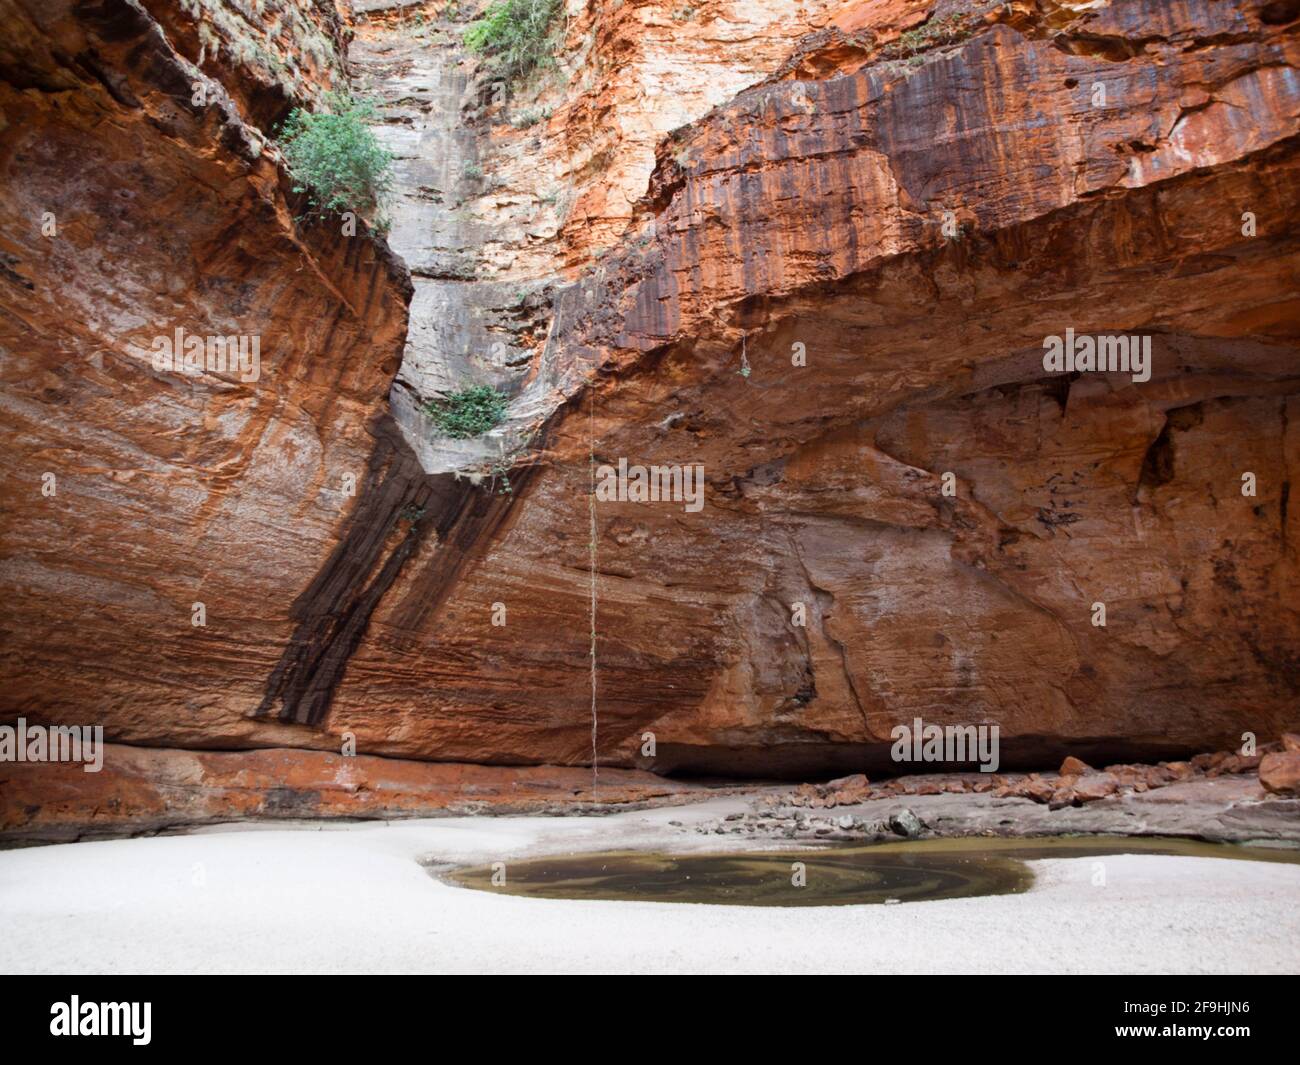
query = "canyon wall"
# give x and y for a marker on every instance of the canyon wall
(140, 198)
(814, 249)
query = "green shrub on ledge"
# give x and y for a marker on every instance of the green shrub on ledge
(334, 156)
(468, 413)
(515, 35)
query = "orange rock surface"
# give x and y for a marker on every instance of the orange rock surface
(142, 790)
(830, 288)
(809, 217)
(1280, 772)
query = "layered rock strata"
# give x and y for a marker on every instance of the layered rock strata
(832, 294)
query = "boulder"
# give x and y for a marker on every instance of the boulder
(1095, 786)
(1280, 773)
(905, 823)
(1073, 767)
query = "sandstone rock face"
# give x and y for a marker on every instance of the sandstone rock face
(506, 191)
(270, 55)
(132, 494)
(809, 217)
(831, 292)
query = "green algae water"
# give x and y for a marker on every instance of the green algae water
(831, 875)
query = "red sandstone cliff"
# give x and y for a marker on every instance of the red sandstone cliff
(911, 196)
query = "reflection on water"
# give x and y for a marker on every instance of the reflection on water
(826, 876)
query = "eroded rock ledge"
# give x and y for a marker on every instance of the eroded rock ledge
(144, 790)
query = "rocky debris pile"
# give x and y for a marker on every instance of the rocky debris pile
(1077, 783)
(1074, 784)
(1215, 785)
(785, 824)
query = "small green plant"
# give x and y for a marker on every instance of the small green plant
(411, 513)
(501, 480)
(468, 413)
(515, 35)
(334, 156)
(472, 171)
(744, 370)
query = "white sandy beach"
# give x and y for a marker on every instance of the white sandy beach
(354, 899)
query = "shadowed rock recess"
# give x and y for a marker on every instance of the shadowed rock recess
(815, 248)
